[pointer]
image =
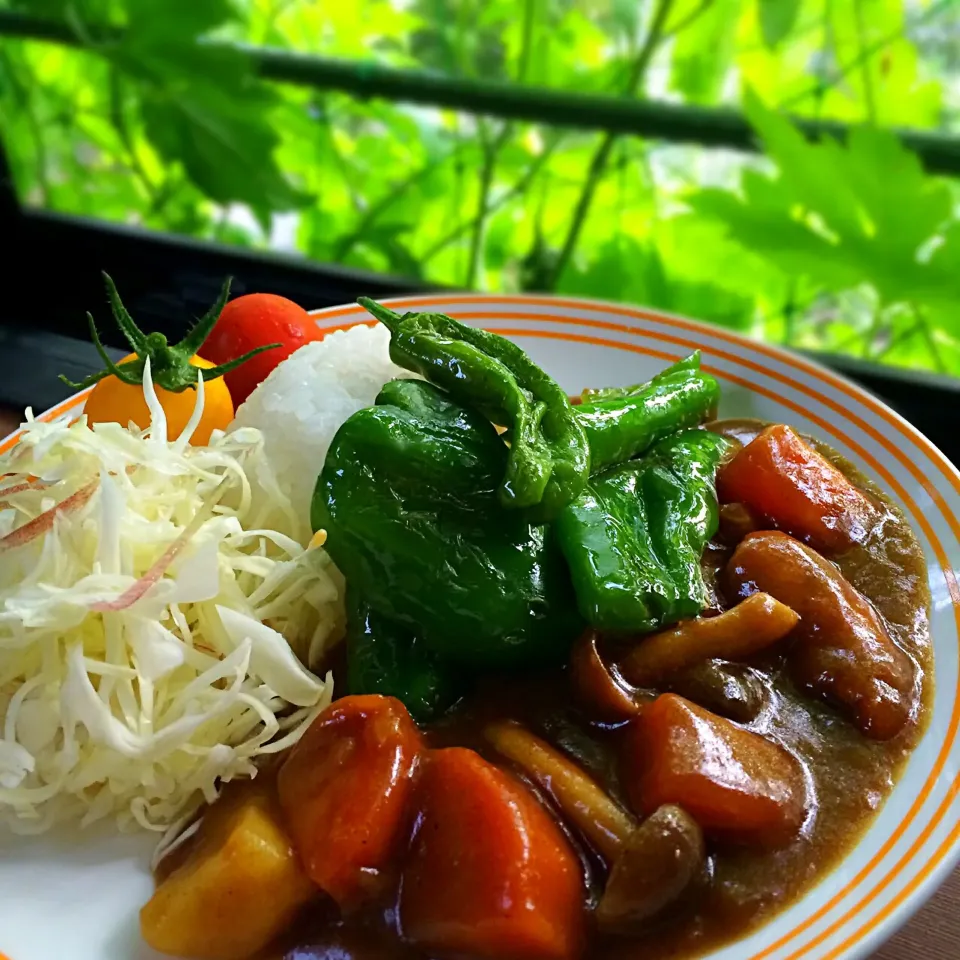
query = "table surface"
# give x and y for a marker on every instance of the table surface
(933, 934)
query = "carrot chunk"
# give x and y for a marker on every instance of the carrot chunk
(841, 649)
(785, 480)
(490, 873)
(345, 791)
(737, 784)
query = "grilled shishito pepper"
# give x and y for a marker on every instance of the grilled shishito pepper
(408, 496)
(595, 394)
(623, 422)
(634, 538)
(548, 460)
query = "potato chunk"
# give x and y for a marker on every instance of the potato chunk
(239, 887)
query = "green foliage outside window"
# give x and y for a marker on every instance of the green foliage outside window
(154, 116)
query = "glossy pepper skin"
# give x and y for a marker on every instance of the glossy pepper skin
(623, 422)
(634, 538)
(408, 497)
(388, 658)
(548, 460)
(594, 394)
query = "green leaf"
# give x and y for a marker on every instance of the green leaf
(386, 241)
(628, 270)
(777, 18)
(80, 12)
(181, 21)
(201, 106)
(857, 222)
(624, 16)
(807, 170)
(769, 231)
(703, 52)
(622, 269)
(225, 147)
(844, 214)
(52, 9)
(900, 197)
(946, 256)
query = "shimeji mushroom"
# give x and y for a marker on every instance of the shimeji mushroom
(650, 863)
(732, 690)
(599, 687)
(751, 626)
(690, 658)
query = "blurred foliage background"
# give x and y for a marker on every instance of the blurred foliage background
(155, 117)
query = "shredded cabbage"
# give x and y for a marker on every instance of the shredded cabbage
(156, 613)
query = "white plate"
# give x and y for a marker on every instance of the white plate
(76, 897)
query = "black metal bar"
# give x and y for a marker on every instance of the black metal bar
(29, 27)
(709, 127)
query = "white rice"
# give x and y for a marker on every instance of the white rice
(300, 406)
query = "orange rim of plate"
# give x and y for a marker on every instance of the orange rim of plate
(843, 386)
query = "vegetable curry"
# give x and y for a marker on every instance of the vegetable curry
(622, 707)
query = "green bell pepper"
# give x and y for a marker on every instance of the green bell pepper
(634, 538)
(623, 422)
(408, 497)
(387, 658)
(548, 460)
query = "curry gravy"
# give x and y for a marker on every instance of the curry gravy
(848, 775)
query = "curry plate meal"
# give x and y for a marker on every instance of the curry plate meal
(402, 652)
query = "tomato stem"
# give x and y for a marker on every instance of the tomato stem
(170, 365)
(198, 333)
(133, 334)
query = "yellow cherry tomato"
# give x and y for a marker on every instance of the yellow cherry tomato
(113, 401)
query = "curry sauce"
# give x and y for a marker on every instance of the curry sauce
(848, 776)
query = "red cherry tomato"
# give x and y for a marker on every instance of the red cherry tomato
(253, 321)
